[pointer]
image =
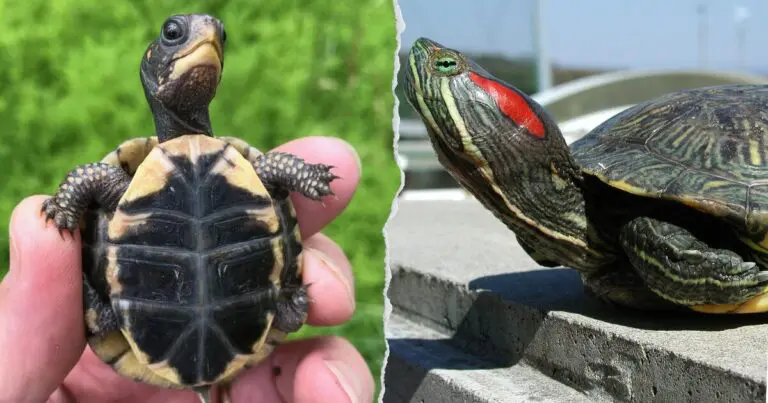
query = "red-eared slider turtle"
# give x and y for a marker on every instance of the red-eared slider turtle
(665, 205)
(192, 258)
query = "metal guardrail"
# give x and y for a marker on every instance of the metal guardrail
(578, 106)
(628, 87)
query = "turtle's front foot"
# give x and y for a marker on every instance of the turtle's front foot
(287, 172)
(62, 214)
(686, 270)
(100, 184)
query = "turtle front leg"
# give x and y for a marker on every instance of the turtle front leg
(283, 172)
(95, 183)
(683, 269)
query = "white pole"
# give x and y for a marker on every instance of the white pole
(543, 65)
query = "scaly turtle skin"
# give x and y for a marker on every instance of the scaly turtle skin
(663, 206)
(192, 257)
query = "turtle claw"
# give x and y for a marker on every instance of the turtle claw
(762, 276)
(747, 266)
(693, 256)
(305, 287)
(64, 219)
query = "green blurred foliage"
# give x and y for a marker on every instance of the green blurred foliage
(70, 92)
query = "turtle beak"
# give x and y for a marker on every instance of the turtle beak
(206, 50)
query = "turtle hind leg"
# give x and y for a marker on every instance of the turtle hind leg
(213, 394)
(681, 268)
(100, 318)
(96, 183)
(292, 308)
(283, 172)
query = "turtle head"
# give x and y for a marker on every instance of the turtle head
(180, 72)
(501, 146)
(464, 107)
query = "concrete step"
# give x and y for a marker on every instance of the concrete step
(453, 264)
(423, 366)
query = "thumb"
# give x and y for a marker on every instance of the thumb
(41, 318)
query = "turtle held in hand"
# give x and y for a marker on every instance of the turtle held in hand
(663, 206)
(192, 257)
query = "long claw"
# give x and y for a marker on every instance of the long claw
(747, 266)
(692, 256)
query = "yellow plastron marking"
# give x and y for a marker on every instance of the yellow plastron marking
(151, 176)
(259, 351)
(300, 255)
(279, 266)
(113, 271)
(246, 150)
(110, 346)
(123, 224)
(131, 152)
(191, 146)
(113, 346)
(266, 217)
(239, 172)
(136, 364)
(756, 304)
(762, 246)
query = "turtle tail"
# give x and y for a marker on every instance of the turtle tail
(213, 394)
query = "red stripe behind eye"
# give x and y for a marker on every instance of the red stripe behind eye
(511, 104)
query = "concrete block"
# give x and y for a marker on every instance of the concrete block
(455, 265)
(424, 367)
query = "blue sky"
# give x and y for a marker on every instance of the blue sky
(598, 33)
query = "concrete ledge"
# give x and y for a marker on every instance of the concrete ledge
(427, 368)
(456, 266)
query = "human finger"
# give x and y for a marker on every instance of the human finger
(321, 369)
(41, 319)
(329, 275)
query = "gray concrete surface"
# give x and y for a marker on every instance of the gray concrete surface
(454, 264)
(426, 368)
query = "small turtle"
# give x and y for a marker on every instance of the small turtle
(663, 206)
(192, 257)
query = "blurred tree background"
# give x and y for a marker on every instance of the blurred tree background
(70, 92)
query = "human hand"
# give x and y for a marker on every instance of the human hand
(43, 353)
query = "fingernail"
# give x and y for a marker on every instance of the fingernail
(336, 271)
(345, 376)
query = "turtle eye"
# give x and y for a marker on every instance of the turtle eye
(446, 64)
(173, 31)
